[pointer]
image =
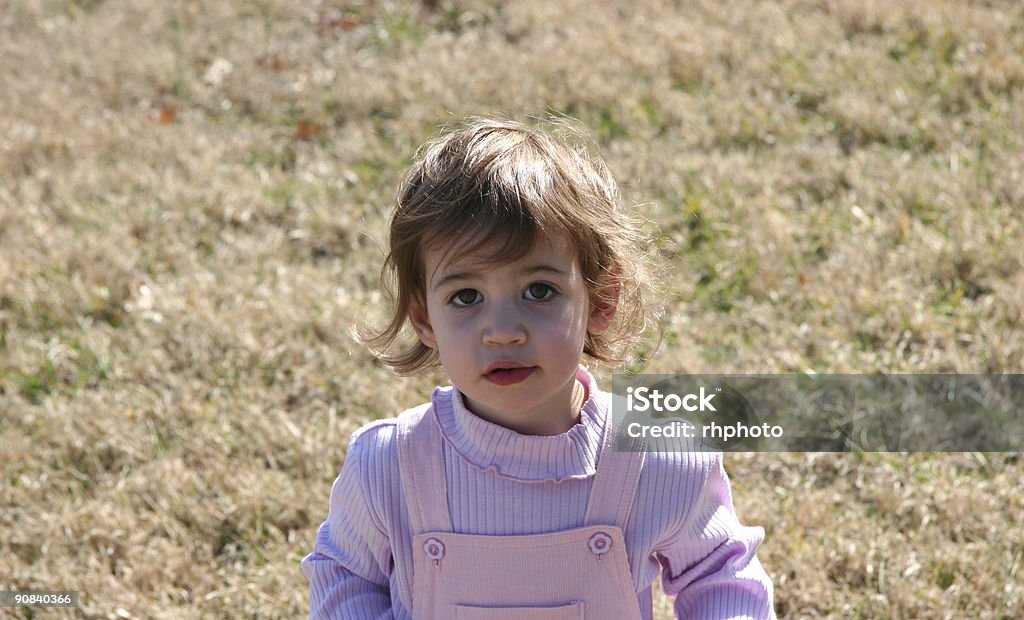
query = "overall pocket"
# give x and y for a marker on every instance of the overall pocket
(571, 611)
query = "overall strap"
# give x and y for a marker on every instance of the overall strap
(615, 483)
(421, 464)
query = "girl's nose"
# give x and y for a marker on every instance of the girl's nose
(503, 326)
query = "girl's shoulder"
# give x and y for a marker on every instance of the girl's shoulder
(680, 459)
(379, 435)
(371, 464)
(679, 487)
(688, 469)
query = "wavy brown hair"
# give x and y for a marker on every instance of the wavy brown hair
(501, 185)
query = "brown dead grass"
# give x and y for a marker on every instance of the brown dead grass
(193, 198)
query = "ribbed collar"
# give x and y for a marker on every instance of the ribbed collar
(527, 458)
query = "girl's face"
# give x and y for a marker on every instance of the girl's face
(511, 335)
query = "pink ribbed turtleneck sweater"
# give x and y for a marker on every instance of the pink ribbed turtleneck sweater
(502, 483)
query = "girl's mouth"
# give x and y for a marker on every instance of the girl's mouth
(509, 376)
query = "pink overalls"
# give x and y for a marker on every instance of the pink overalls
(582, 573)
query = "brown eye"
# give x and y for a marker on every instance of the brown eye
(539, 292)
(466, 297)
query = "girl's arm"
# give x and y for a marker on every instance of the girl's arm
(709, 564)
(347, 568)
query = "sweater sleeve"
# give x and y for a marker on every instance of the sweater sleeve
(348, 570)
(709, 563)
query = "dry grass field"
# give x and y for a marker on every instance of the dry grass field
(193, 199)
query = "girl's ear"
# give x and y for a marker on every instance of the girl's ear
(421, 324)
(603, 304)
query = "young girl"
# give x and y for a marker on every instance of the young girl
(503, 498)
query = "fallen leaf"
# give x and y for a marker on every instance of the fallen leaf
(308, 131)
(167, 114)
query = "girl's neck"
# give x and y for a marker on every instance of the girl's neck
(547, 424)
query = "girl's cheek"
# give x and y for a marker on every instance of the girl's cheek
(558, 318)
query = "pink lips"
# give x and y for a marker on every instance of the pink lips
(510, 373)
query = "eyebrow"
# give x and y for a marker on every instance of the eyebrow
(526, 271)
